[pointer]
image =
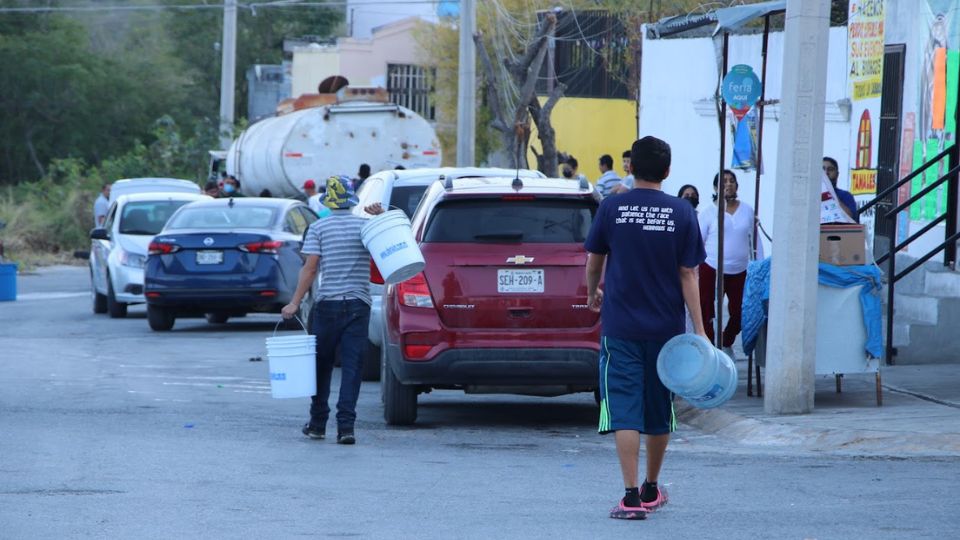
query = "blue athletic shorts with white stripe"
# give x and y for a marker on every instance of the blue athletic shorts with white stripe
(631, 394)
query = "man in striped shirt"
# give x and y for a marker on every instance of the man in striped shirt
(341, 311)
(608, 179)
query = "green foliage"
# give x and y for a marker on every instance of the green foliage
(54, 214)
(91, 97)
(197, 35)
(89, 84)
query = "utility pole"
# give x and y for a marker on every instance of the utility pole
(228, 69)
(791, 335)
(467, 86)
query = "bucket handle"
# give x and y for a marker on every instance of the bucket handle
(298, 320)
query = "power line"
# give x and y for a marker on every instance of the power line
(186, 7)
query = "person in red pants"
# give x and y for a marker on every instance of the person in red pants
(738, 229)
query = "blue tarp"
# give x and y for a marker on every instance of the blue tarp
(757, 291)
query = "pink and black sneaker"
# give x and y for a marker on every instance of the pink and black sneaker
(657, 503)
(622, 511)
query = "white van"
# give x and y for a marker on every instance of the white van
(129, 186)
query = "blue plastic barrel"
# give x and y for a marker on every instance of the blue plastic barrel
(697, 371)
(8, 282)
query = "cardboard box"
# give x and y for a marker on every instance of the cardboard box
(842, 244)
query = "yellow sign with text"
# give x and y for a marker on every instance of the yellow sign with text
(863, 181)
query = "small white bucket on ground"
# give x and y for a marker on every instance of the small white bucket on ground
(293, 365)
(697, 371)
(390, 241)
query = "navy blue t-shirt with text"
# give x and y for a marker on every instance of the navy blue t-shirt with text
(647, 236)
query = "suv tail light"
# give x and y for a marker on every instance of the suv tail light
(414, 292)
(162, 248)
(270, 246)
(375, 277)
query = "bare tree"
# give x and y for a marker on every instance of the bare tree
(511, 117)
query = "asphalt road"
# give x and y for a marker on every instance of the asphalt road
(109, 430)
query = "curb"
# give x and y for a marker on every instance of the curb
(769, 434)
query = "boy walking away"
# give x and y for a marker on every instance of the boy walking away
(650, 242)
(341, 312)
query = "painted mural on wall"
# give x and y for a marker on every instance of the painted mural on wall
(935, 120)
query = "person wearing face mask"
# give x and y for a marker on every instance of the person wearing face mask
(231, 187)
(738, 228)
(690, 193)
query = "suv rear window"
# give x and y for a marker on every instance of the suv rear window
(537, 221)
(406, 198)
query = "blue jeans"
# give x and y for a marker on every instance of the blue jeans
(343, 323)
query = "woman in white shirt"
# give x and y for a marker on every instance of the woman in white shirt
(738, 229)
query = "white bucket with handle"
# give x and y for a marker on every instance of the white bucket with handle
(390, 241)
(293, 364)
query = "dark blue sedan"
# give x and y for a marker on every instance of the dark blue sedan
(225, 258)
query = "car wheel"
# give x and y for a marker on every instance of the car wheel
(99, 300)
(117, 310)
(399, 400)
(370, 370)
(217, 318)
(160, 318)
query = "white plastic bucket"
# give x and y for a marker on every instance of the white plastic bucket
(697, 371)
(390, 241)
(293, 365)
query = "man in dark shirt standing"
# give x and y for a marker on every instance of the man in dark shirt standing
(847, 203)
(650, 242)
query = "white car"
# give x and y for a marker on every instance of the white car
(118, 251)
(403, 189)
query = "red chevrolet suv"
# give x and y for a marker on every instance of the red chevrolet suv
(501, 306)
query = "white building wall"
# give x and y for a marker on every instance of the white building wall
(679, 78)
(363, 16)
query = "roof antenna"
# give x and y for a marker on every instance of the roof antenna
(230, 202)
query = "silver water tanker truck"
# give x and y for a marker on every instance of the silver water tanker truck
(319, 135)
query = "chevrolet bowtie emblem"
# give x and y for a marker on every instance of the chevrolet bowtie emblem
(520, 259)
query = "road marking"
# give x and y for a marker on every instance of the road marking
(51, 295)
(209, 385)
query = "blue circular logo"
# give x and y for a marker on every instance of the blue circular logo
(741, 87)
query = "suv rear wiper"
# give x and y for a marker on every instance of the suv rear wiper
(499, 236)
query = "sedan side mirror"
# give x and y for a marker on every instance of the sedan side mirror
(99, 234)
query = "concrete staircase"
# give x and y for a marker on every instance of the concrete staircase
(926, 327)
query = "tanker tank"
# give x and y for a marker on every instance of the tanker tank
(282, 152)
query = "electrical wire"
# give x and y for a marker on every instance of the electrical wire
(187, 7)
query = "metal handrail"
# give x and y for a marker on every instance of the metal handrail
(914, 236)
(883, 194)
(951, 235)
(922, 193)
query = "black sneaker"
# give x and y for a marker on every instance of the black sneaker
(346, 437)
(313, 432)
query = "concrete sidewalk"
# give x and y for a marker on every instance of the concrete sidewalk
(920, 415)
